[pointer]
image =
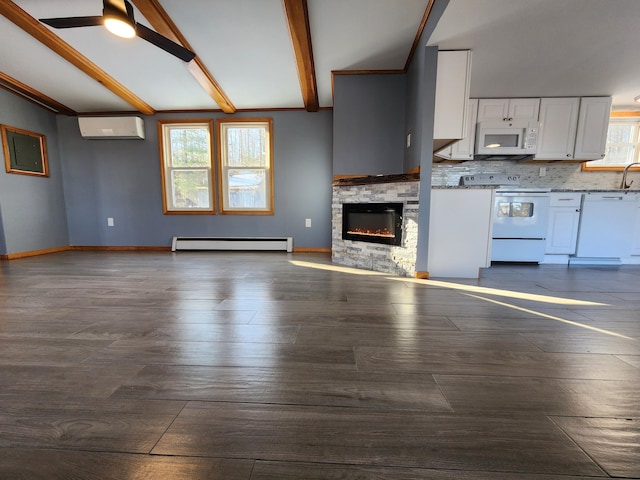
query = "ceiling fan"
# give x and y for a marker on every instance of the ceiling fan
(117, 17)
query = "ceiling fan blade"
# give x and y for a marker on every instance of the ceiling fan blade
(164, 43)
(72, 22)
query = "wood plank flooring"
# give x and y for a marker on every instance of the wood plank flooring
(266, 365)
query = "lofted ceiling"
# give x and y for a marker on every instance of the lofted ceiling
(281, 54)
(553, 48)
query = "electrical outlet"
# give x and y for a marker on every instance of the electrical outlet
(408, 140)
(110, 222)
(543, 171)
(307, 223)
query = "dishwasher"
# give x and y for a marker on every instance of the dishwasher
(604, 218)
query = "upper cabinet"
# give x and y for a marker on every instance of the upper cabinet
(452, 95)
(593, 123)
(558, 126)
(573, 129)
(463, 149)
(507, 109)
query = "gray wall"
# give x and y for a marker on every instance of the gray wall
(121, 179)
(32, 209)
(422, 75)
(421, 87)
(368, 124)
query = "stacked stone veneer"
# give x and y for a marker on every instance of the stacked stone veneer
(397, 260)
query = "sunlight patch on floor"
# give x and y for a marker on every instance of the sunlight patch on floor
(503, 293)
(550, 317)
(335, 268)
(452, 285)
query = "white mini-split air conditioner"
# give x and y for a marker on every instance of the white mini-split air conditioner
(111, 127)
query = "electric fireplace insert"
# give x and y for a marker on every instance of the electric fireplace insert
(372, 222)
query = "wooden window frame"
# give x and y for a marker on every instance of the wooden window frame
(224, 209)
(617, 117)
(43, 171)
(164, 168)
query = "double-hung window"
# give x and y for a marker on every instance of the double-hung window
(623, 145)
(186, 156)
(245, 166)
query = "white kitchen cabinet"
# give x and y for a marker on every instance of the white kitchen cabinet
(502, 109)
(593, 123)
(463, 149)
(564, 219)
(636, 231)
(558, 126)
(460, 229)
(606, 225)
(452, 95)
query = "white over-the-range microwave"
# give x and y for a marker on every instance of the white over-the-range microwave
(506, 140)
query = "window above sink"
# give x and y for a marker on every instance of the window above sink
(623, 143)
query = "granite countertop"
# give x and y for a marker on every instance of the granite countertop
(594, 190)
(576, 190)
(463, 187)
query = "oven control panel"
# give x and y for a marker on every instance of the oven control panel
(490, 179)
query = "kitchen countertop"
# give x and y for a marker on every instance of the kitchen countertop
(594, 190)
(495, 187)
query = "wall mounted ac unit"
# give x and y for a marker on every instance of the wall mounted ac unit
(111, 127)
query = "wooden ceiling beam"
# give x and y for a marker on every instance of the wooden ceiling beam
(162, 23)
(423, 23)
(41, 33)
(25, 91)
(298, 20)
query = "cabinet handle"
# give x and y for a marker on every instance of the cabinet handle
(564, 199)
(612, 198)
(578, 210)
(568, 155)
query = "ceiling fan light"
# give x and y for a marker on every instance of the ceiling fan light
(119, 27)
(637, 99)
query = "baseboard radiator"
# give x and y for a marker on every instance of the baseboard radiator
(232, 243)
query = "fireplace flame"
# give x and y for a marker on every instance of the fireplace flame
(381, 232)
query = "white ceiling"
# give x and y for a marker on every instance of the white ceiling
(536, 48)
(520, 48)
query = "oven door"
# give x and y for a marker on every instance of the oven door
(518, 215)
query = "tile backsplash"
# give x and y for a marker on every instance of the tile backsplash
(569, 176)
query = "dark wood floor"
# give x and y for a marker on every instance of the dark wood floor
(268, 366)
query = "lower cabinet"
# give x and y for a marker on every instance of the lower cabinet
(636, 231)
(564, 219)
(459, 232)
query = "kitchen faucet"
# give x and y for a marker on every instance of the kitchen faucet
(623, 184)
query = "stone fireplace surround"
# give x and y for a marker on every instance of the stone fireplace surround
(398, 260)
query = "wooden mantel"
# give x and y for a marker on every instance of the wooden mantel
(371, 179)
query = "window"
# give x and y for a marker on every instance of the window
(245, 166)
(623, 144)
(186, 157)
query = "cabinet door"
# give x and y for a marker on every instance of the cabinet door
(562, 234)
(593, 123)
(500, 109)
(524, 108)
(493, 109)
(558, 125)
(636, 232)
(452, 94)
(444, 153)
(463, 149)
